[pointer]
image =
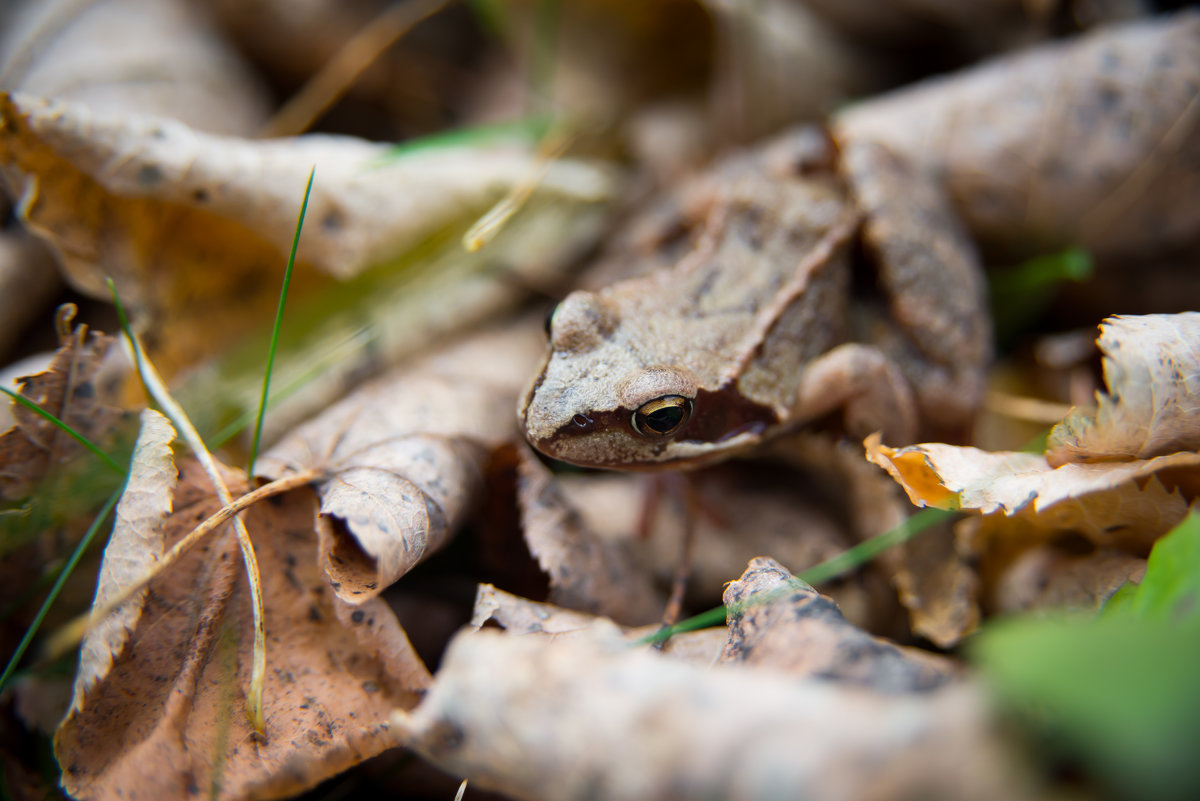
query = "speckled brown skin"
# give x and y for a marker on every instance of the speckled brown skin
(758, 327)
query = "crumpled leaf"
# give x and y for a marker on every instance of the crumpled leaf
(779, 622)
(133, 548)
(194, 227)
(148, 56)
(404, 455)
(1061, 145)
(69, 390)
(1116, 503)
(593, 718)
(168, 718)
(594, 574)
(1152, 407)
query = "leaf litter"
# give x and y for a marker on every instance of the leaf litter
(560, 705)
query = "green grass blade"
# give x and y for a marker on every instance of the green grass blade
(80, 438)
(271, 349)
(52, 596)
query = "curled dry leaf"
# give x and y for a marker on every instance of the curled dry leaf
(167, 719)
(592, 718)
(588, 572)
(779, 622)
(1062, 145)
(1122, 504)
(521, 616)
(70, 389)
(186, 221)
(1152, 407)
(121, 56)
(135, 545)
(404, 455)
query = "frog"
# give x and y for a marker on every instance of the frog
(800, 283)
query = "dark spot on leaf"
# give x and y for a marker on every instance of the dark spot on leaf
(84, 390)
(333, 221)
(357, 615)
(314, 614)
(200, 196)
(149, 175)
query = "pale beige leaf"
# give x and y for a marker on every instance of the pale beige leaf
(121, 56)
(194, 228)
(404, 455)
(1152, 407)
(169, 717)
(133, 548)
(522, 616)
(1110, 503)
(778, 622)
(588, 572)
(1062, 144)
(592, 718)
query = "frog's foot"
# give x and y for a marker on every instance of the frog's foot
(871, 391)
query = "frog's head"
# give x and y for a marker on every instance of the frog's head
(616, 393)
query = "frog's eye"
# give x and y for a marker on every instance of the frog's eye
(663, 416)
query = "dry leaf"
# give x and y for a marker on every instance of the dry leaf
(1062, 145)
(194, 227)
(70, 390)
(778, 622)
(937, 585)
(404, 455)
(1152, 408)
(594, 574)
(1046, 577)
(135, 545)
(28, 283)
(1123, 504)
(589, 717)
(167, 720)
(121, 56)
(521, 616)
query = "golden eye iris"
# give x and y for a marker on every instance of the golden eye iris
(663, 416)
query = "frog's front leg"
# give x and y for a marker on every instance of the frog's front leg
(866, 385)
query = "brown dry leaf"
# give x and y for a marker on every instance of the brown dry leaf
(762, 47)
(1048, 577)
(1152, 408)
(779, 622)
(167, 720)
(937, 585)
(588, 572)
(70, 390)
(28, 283)
(135, 545)
(120, 56)
(404, 455)
(1062, 145)
(592, 718)
(194, 227)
